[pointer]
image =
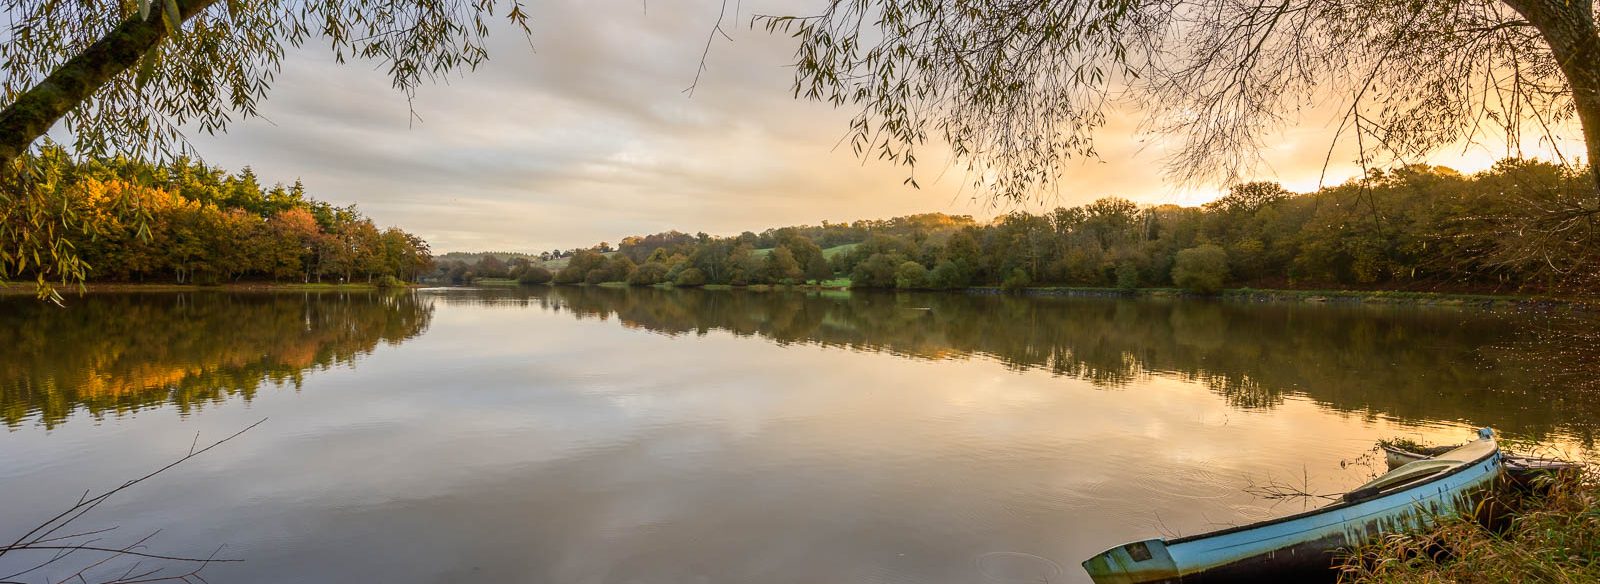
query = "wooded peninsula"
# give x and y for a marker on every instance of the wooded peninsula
(184, 222)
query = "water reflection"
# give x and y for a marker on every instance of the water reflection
(1413, 364)
(606, 436)
(116, 353)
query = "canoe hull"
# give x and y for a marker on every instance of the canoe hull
(1521, 470)
(1300, 547)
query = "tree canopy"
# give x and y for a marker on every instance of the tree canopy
(1017, 88)
(1414, 228)
(186, 222)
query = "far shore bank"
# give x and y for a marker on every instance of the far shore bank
(29, 288)
(1370, 297)
(1373, 297)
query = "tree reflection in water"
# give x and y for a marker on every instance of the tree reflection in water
(116, 353)
(1411, 363)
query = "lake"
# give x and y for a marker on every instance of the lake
(610, 436)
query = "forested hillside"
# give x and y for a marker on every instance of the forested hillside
(1415, 228)
(187, 222)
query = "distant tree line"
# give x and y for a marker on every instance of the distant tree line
(1416, 227)
(187, 222)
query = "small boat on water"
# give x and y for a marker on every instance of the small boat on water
(1303, 546)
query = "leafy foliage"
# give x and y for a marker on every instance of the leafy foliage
(535, 275)
(1201, 269)
(214, 62)
(1414, 228)
(186, 222)
(1017, 89)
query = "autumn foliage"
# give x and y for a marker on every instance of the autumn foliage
(186, 222)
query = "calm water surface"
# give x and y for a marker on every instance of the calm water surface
(607, 436)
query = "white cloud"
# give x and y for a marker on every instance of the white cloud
(589, 137)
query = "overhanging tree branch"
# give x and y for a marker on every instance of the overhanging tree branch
(36, 110)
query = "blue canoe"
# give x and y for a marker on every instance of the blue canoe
(1305, 544)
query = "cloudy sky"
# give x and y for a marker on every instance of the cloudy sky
(588, 137)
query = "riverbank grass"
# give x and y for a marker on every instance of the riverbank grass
(1555, 538)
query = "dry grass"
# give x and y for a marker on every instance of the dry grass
(1554, 538)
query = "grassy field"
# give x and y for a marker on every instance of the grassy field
(826, 253)
(555, 265)
(494, 282)
(838, 249)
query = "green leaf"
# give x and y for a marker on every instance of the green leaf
(174, 19)
(147, 68)
(144, 9)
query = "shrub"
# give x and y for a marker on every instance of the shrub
(910, 276)
(596, 277)
(648, 274)
(580, 266)
(1127, 275)
(535, 275)
(570, 275)
(388, 281)
(878, 271)
(1016, 281)
(690, 278)
(946, 275)
(1201, 269)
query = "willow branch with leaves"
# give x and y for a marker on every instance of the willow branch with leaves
(1016, 88)
(125, 75)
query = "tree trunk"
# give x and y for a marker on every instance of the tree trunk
(38, 109)
(1568, 27)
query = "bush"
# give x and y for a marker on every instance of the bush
(946, 275)
(648, 274)
(535, 275)
(1201, 269)
(691, 278)
(878, 271)
(910, 276)
(596, 277)
(388, 281)
(1127, 276)
(1016, 281)
(570, 275)
(580, 266)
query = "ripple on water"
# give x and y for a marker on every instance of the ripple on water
(1017, 568)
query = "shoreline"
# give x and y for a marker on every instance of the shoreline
(29, 288)
(1253, 295)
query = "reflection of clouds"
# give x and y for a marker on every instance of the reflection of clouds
(521, 444)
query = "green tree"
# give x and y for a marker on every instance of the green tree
(1018, 280)
(877, 271)
(535, 275)
(579, 266)
(910, 276)
(647, 274)
(1201, 269)
(691, 278)
(781, 266)
(946, 275)
(1127, 275)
